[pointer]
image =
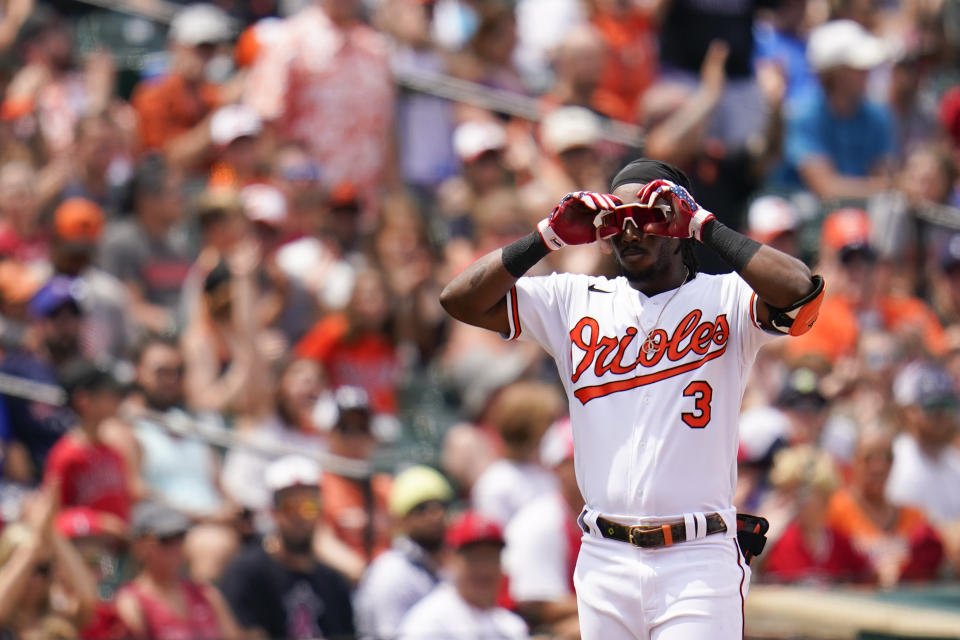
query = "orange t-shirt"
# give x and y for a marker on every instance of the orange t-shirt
(167, 108)
(837, 328)
(631, 63)
(926, 551)
(344, 509)
(367, 360)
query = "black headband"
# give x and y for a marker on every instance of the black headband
(644, 170)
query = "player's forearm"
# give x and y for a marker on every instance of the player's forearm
(779, 279)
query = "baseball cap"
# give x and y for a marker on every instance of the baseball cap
(472, 528)
(770, 216)
(557, 444)
(58, 292)
(292, 471)
(17, 282)
(924, 384)
(847, 231)
(79, 220)
(232, 122)
(198, 24)
(762, 431)
(844, 43)
(151, 518)
(264, 203)
(417, 485)
(344, 195)
(801, 390)
(474, 138)
(568, 128)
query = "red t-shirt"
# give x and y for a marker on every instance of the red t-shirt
(91, 474)
(790, 560)
(164, 623)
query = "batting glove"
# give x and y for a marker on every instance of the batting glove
(684, 217)
(573, 219)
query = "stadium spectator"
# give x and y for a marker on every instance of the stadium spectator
(150, 253)
(897, 540)
(173, 110)
(925, 460)
(88, 472)
(159, 603)
(401, 576)
(838, 143)
(55, 322)
(809, 550)
(108, 332)
(356, 508)
(522, 413)
(290, 427)
(467, 604)
(329, 67)
(278, 587)
(543, 542)
(45, 589)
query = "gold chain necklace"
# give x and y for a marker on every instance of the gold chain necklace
(649, 347)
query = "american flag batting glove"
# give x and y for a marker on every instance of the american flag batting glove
(572, 220)
(685, 218)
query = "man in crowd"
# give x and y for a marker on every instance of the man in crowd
(403, 575)
(466, 606)
(279, 587)
(56, 318)
(148, 253)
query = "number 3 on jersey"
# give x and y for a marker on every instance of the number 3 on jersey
(702, 393)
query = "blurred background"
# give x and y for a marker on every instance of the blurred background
(232, 407)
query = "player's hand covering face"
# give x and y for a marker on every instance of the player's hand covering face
(575, 219)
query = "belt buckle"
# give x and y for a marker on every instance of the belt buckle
(639, 529)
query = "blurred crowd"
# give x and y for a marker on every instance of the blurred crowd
(230, 403)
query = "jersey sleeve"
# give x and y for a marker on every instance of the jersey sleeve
(746, 323)
(536, 310)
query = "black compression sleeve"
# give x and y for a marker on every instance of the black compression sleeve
(519, 256)
(735, 248)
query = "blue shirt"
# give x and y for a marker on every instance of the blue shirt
(854, 145)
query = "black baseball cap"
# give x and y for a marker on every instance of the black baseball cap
(84, 375)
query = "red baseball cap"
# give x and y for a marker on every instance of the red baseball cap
(472, 528)
(845, 228)
(82, 522)
(79, 220)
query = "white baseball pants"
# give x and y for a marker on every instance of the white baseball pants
(689, 591)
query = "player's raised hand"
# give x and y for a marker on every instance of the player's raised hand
(572, 220)
(684, 217)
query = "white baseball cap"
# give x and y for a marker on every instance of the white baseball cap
(199, 24)
(568, 128)
(292, 471)
(475, 137)
(234, 121)
(263, 203)
(844, 43)
(769, 216)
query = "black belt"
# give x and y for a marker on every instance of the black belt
(662, 535)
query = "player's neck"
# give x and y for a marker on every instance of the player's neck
(651, 284)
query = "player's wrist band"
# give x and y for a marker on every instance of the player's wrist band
(735, 248)
(522, 254)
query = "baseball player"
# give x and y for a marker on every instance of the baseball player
(654, 363)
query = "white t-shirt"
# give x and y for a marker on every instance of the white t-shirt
(444, 615)
(655, 434)
(536, 555)
(506, 486)
(932, 484)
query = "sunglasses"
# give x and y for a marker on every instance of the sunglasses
(44, 569)
(426, 506)
(611, 223)
(171, 540)
(306, 509)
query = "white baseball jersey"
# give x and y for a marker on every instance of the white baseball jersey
(655, 434)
